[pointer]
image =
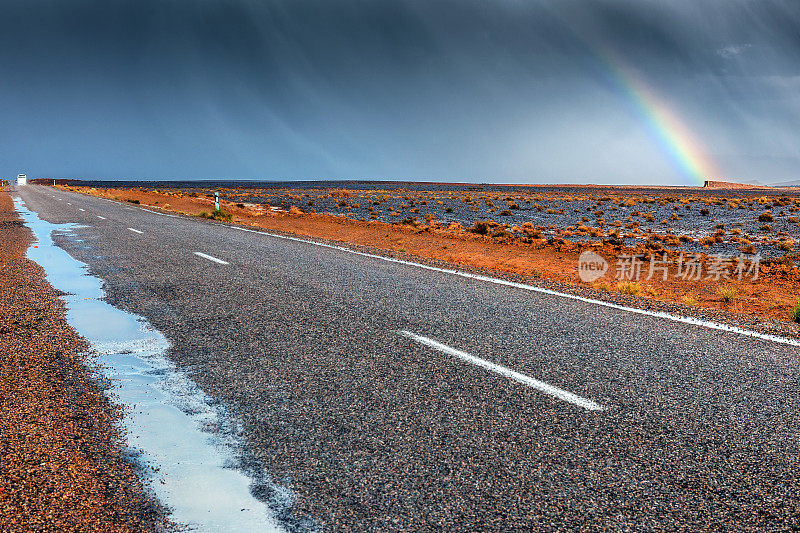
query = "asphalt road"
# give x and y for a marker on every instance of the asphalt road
(353, 381)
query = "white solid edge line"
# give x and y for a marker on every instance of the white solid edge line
(658, 314)
(211, 258)
(135, 230)
(541, 386)
(81, 209)
(157, 213)
(101, 218)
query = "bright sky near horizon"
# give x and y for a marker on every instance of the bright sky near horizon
(537, 91)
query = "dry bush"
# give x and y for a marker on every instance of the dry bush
(727, 292)
(629, 287)
(746, 247)
(455, 226)
(689, 300)
(794, 314)
(481, 227)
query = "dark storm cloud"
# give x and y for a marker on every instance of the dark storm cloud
(506, 90)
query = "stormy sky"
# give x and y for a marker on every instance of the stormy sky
(523, 91)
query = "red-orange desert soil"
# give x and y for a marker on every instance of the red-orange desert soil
(61, 462)
(772, 295)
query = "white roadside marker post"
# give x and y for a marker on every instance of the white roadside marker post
(216, 201)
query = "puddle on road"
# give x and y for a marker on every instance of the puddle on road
(165, 411)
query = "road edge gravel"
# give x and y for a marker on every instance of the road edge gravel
(65, 465)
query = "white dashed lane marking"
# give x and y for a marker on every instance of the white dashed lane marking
(211, 258)
(541, 386)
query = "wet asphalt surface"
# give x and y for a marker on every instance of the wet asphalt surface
(373, 431)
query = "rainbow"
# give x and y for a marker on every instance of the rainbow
(673, 136)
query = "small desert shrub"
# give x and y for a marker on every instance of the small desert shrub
(506, 213)
(217, 214)
(448, 209)
(629, 287)
(690, 300)
(727, 293)
(480, 227)
(133, 201)
(766, 216)
(650, 291)
(240, 206)
(786, 246)
(603, 286)
(704, 212)
(746, 247)
(795, 312)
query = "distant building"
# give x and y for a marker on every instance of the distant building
(22, 179)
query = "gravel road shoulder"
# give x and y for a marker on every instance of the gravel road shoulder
(63, 464)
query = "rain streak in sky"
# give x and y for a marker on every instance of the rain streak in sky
(522, 91)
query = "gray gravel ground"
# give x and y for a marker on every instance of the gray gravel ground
(376, 432)
(552, 209)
